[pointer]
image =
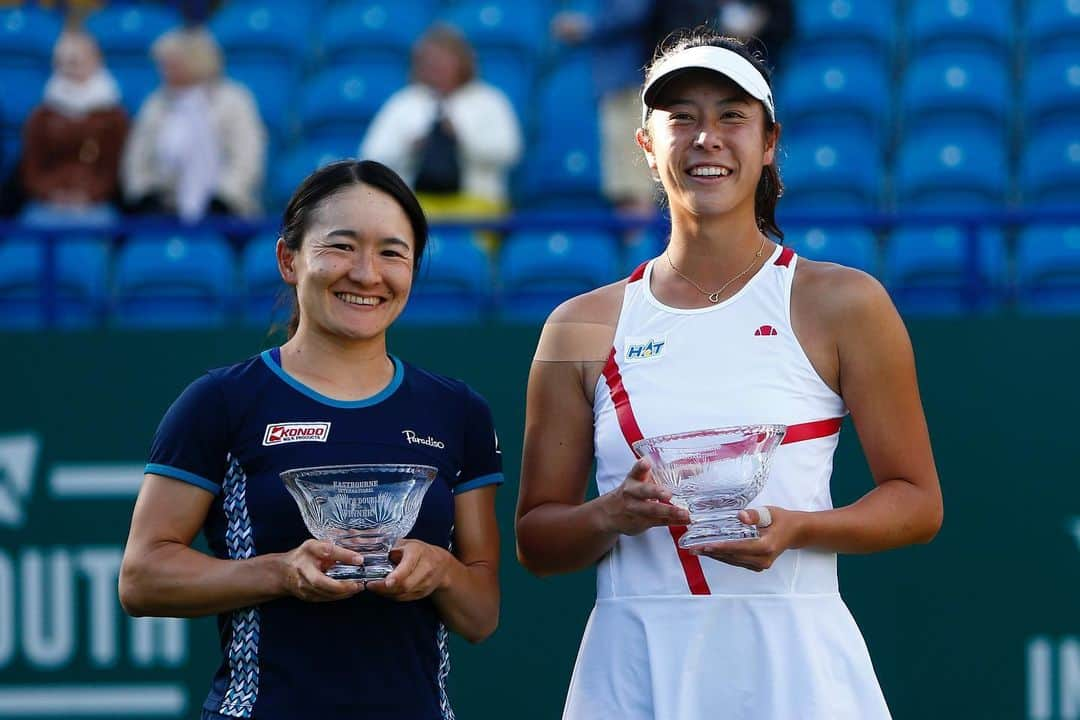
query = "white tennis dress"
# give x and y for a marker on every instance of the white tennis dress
(678, 637)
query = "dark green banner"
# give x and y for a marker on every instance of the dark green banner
(982, 623)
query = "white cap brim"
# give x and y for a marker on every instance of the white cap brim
(728, 63)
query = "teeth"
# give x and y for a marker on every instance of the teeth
(710, 171)
(358, 300)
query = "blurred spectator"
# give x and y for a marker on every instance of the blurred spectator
(616, 33)
(73, 140)
(451, 136)
(765, 25)
(198, 145)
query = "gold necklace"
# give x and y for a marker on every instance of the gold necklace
(714, 297)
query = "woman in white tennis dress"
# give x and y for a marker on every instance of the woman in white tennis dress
(725, 328)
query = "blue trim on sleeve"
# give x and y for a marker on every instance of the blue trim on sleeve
(492, 479)
(395, 382)
(178, 474)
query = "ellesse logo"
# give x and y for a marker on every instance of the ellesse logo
(279, 433)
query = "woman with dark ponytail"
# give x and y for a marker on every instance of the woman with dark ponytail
(726, 328)
(297, 643)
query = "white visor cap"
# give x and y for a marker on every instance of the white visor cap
(707, 57)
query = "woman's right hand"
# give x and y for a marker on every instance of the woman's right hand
(305, 572)
(640, 503)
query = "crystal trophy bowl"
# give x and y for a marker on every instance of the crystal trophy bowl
(365, 508)
(713, 474)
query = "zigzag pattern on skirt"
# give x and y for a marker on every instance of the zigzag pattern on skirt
(442, 639)
(444, 670)
(239, 698)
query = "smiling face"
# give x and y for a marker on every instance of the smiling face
(354, 269)
(706, 140)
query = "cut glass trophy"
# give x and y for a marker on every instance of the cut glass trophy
(365, 508)
(713, 474)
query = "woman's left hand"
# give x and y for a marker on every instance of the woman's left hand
(421, 570)
(759, 553)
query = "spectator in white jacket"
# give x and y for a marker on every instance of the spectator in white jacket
(198, 145)
(453, 137)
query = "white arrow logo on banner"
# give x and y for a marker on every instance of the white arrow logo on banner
(18, 456)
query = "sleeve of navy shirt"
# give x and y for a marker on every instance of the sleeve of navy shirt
(190, 443)
(483, 458)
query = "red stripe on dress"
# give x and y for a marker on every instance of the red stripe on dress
(812, 430)
(639, 272)
(691, 564)
(623, 411)
(785, 257)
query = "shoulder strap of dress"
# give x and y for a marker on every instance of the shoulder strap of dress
(784, 260)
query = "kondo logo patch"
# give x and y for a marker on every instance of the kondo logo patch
(280, 433)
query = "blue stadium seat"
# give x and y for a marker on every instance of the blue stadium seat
(275, 32)
(509, 26)
(454, 284)
(10, 147)
(562, 169)
(642, 246)
(372, 30)
(125, 32)
(1048, 269)
(1050, 168)
(845, 91)
(136, 83)
(297, 164)
(928, 270)
(339, 102)
(1053, 24)
(262, 283)
(852, 246)
(80, 290)
(22, 91)
(274, 90)
(20, 285)
(832, 25)
(27, 36)
(566, 83)
(539, 270)
(10, 143)
(1051, 90)
(957, 168)
(172, 280)
(830, 169)
(957, 87)
(959, 24)
(516, 79)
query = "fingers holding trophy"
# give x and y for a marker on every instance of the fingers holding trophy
(714, 474)
(364, 508)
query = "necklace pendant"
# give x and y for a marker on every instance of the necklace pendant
(714, 297)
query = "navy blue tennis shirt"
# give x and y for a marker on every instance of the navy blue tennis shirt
(232, 432)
